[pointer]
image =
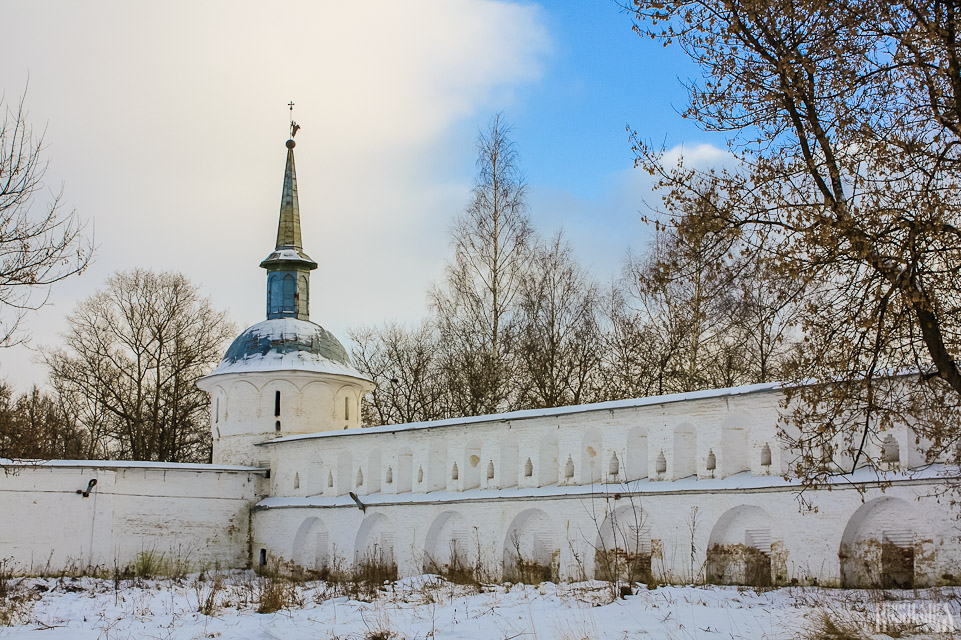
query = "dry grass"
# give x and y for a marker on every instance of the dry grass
(16, 600)
(210, 592)
(364, 581)
(827, 625)
(275, 592)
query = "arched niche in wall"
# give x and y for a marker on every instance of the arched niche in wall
(310, 549)
(735, 454)
(403, 476)
(881, 546)
(218, 405)
(890, 450)
(314, 477)
(244, 400)
(547, 453)
(470, 469)
(531, 550)
(436, 479)
(507, 467)
(741, 549)
(614, 468)
(345, 473)
(374, 544)
(346, 407)
(448, 549)
(592, 471)
(316, 399)
(374, 470)
(635, 458)
(684, 454)
(623, 547)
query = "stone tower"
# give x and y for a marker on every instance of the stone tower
(285, 375)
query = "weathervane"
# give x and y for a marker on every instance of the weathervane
(293, 125)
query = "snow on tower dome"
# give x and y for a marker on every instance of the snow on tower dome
(287, 344)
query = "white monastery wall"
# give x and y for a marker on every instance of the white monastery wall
(697, 473)
(193, 514)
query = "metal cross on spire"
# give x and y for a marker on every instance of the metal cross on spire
(293, 125)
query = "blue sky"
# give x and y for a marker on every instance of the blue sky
(165, 127)
(599, 78)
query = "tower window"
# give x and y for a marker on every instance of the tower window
(289, 293)
(346, 408)
(217, 411)
(304, 294)
(276, 403)
(277, 426)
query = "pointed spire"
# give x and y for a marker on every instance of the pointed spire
(289, 247)
(288, 227)
(288, 267)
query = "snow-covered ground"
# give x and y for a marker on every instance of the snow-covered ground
(427, 608)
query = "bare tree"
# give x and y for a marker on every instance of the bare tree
(40, 244)
(558, 339)
(131, 359)
(474, 309)
(628, 367)
(767, 328)
(846, 123)
(403, 365)
(685, 289)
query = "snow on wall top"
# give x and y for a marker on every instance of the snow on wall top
(538, 413)
(286, 344)
(127, 464)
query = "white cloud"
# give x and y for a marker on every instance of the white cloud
(698, 156)
(166, 124)
(602, 229)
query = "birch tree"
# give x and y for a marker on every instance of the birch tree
(475, 306)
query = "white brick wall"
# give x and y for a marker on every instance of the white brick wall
(190, 514)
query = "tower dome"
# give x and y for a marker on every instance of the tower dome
(285, 375)
(286, 344)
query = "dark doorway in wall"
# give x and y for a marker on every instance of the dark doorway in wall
(897, 566)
